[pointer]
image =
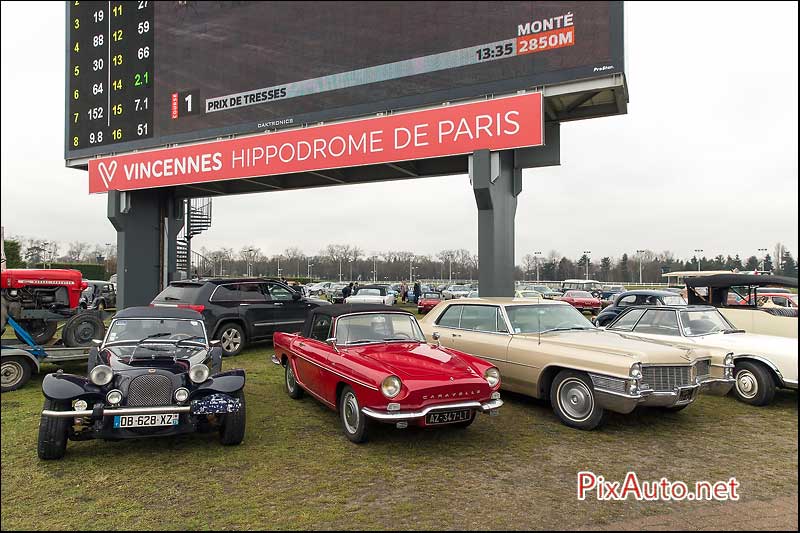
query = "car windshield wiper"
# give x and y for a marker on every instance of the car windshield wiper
(191, 340)
(154, 335)
(404, 339)
(573, 328)
(362, 341)
(726, 331)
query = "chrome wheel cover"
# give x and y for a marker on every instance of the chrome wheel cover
(11, 372)
(230, 340)
(575, 400)
(350, 413)
(291, 382)
(746, 384)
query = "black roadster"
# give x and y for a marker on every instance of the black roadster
(154, 374)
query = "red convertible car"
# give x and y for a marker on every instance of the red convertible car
(583, 301)
(428, 301)
(372, 364)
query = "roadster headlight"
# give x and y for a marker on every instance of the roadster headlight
(391, 386)
(492, 376)
(636, 371)
(80, 405)
(728, 361)
(199, 373)
(114, 397)
(101, 375)
(181, 394)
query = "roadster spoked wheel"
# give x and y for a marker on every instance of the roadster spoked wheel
(353, 420)
(53, 432)
(754, 383)
(292, 388)
(231, 339)
(573, 400)
(15, 372)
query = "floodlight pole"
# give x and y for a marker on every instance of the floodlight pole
(698, 251)
(640, 252)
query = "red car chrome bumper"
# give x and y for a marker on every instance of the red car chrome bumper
(489, 406)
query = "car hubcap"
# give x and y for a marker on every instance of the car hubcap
(11, 373)
(350, 413)
(231, 340)
(290, 381)
(575, 399)
(746, 384)
(85, 332)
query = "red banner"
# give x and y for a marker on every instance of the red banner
(499, 124)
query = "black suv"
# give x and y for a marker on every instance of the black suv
(240, 311)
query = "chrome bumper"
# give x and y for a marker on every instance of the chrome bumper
(717, 386)
(790, 383)
(169, 409)
(275, 360)
(396, 416)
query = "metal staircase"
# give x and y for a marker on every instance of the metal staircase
(198, 219)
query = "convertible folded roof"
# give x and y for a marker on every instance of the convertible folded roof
(735, 280)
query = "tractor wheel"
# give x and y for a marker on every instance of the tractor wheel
(42, 331)
(81, 329)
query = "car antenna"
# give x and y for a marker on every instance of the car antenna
(539, 320)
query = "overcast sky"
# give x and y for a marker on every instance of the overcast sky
(705, 158)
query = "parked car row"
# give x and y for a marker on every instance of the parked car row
(158, 371)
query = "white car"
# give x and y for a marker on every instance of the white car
(762, 362)
(371, 294)
(456, 291)
(318, 289)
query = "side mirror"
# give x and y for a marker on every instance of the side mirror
(331, 341)
(97, 342)
(436, 337)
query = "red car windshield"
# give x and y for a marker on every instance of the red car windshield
(578, 294)
(364, 328)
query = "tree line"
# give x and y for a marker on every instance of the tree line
(349, 262)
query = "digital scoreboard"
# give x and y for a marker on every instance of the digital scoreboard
(110, 94)
(150, 74)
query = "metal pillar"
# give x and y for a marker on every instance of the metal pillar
(147, 224)
(496, 179)
(496, 184)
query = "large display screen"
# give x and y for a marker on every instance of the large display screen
(144, 74)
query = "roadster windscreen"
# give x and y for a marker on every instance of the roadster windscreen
(134, 330)
(377, 327)
(705, 322)
(544, 318)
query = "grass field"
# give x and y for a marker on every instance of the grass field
(296, 470)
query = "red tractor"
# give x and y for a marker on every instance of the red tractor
(40, 298)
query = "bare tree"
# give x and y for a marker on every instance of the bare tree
(77, 251)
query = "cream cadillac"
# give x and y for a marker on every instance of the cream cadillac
(547, 349)
(762, 362)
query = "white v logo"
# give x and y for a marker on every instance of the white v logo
(107, 172)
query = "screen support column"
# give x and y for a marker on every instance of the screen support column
(496, 179)
(147, 224)
(496, 184)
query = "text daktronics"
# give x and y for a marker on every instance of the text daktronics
(499, 124)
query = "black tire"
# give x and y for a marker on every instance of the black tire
(466, 423)
(354, 422)
(231, 339)
(582, 411)
(292, 387)
(16, 371)
(42, 331)
(231, 430)
(81, 329)
(53, 432)
(754, 383)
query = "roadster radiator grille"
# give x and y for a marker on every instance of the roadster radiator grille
(150, 390)
(666, 378)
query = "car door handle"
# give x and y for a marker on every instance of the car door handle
(244, 304)
(278, 304)
(456, 335)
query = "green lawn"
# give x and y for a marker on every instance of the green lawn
(296, 470)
